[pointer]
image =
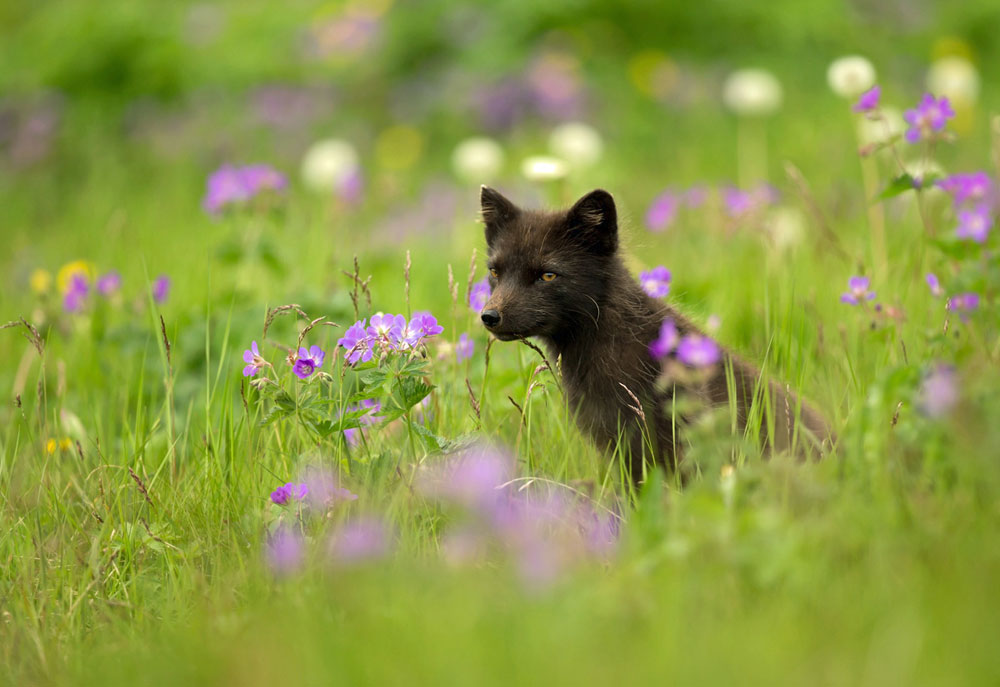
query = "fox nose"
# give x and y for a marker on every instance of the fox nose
(491, 318)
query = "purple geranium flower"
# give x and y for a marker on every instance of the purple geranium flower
(656, 282)
(698, 351)
(360, 540)
(108, 283)
(253, 360)
(76, 293)
(857, 291)
(964, 303)
(974, 186)
(306, 362)
(357, 343)
(927, 118)
(868, 101)
(289, 492)
(285, 551)
(938, 391)
(230, 185)
(161, 288)
(667, 341)
(695, 196)
(934, 284)
(387, 330)
(322, 488)
(464, 348)
(422, 324)
(975, 224)
(479, 293)
(662, 211)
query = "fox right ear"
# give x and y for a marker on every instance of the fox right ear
(497, 212)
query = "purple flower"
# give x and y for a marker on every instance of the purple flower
(662, 211)
(161, 288)
(934, 284)
(76, 293)
(938, 391)
(698, 351)
(387, 330)
(479, 294)
(306, 362)
(695, 196)
(974, 186)
(253, 360)
(975, 224)
(964, 303)
(422, 324)
(868, 100)
(857, 291)
(667, 341)
(360, 540)
(357, 344)
(322, 490)
(109, 283)
(929, 117)
(656, 282)
(464, 348)
(285, 551)
(230, 185)
(737, 201)
(289, 492)
(472, 479)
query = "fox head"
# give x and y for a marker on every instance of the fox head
(548, 270)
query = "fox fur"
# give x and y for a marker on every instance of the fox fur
(558, 277)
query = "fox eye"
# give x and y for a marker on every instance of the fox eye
(548, 276)
(494, 273)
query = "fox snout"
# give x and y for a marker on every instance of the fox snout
(490, 317)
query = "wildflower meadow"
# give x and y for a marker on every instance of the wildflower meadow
(253, 430)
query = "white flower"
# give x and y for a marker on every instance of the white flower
(786, 227)
(577, 143)
(850, 76)
(881, 130)
(954, 77)
(328, 165)
(544, 168)
(753, 92)
(477, 160)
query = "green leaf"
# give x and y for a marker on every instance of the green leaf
(901, 184)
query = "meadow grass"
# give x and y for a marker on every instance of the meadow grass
(137, 550)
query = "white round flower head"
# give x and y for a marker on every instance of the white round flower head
(544, 168)
(577, 143)
(753, 92)
(786, 227)
(850, 76)
(477, 160)
(954, 77)
(328, 164)
(881, 130)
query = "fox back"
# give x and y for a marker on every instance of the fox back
(559, 277)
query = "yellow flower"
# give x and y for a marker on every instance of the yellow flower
(40, 280)
(84, 268)
(65, 444)
(50, 446)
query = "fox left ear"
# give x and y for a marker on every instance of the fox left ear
(497, 212)
(593, 220)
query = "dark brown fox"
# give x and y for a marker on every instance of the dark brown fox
(558, 277)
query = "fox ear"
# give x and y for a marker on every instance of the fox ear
(593, 221)
(497, 212)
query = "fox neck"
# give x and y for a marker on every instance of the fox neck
(611, 331)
